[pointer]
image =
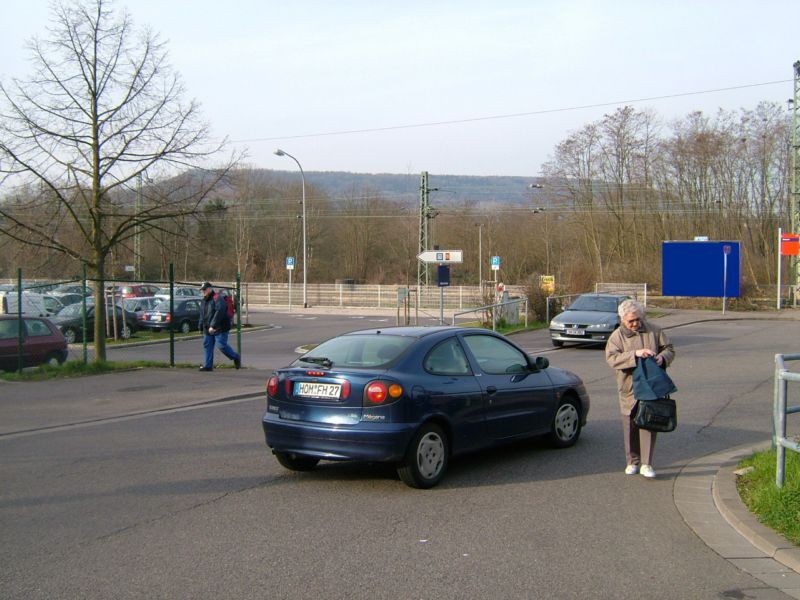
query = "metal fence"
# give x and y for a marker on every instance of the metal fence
(780, 412)
(350, 295)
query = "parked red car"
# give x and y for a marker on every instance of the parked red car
(42, 342)
(135, 290)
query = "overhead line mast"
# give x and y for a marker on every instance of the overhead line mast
(794, 176)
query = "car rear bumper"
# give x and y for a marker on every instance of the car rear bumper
(379, 442)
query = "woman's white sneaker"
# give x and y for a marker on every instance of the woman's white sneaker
(631, 469)
(647, 471)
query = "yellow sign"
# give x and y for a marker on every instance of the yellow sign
(547, 283)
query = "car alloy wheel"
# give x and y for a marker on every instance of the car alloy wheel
(566, 424)
(70, 335)
(186, 327)
(427, 457)
(53, 359)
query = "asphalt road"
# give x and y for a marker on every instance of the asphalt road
(189, 504)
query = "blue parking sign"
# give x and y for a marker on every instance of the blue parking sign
(290, 262)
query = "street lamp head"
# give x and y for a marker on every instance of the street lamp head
(279, 152)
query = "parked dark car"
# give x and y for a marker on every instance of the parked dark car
(415, 396)
(71, 288)
(42, 342)
(590, 319)
(185, 316)
(66, 299)
(70, 321)
(180, 292)
(138, 306)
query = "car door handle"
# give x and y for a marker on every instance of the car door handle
(491, 390)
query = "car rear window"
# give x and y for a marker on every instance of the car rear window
(368, 350)
(37, 328)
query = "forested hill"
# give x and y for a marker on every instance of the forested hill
(445, 189)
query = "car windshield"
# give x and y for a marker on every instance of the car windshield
(162, 306)
(594, 303)
(367, 350)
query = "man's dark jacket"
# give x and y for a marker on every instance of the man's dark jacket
(214, 313)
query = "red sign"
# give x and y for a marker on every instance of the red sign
(790, 244)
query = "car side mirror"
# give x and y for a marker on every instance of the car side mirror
(541, 362)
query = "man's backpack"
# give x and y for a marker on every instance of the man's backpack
(229, 303)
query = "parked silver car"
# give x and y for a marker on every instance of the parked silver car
(590, 319)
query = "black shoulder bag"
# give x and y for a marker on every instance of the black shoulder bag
(655, 410)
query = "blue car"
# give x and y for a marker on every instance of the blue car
(416, 396)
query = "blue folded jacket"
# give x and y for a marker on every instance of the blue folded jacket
(651, 382)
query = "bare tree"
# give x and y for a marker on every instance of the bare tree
(102, 107)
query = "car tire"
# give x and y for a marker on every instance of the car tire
(296, 462)
(53, 359)
(558, 343)
(71, 335)
(566, 426)
(126, 332)
(427, 457)
(186, 326)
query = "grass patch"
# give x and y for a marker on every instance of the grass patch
(778, 508)
(75, 368)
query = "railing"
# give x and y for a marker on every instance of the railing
(497, 308)
(779, 413)
(637, 290)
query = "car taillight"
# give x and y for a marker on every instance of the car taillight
(272, 385)
(381, 392)
(169, 318)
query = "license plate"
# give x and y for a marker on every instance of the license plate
(317, 390)
(156, 317)
(574, 331)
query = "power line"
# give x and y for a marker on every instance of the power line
(510, 115)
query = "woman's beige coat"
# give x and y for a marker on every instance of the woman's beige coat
(620, 356)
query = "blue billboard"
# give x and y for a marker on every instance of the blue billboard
(705, 269)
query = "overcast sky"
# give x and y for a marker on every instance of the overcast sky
(464, 88)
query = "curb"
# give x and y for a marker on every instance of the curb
(730, 505)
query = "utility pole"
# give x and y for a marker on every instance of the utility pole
(794, 178)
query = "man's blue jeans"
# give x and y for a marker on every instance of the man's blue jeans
(221, 341)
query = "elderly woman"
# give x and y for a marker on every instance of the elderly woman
(635, 337)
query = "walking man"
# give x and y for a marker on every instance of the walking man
(215, 325)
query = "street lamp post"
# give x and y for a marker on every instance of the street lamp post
(280, 152)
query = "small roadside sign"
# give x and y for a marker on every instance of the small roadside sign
(290, 263)
(495, 263)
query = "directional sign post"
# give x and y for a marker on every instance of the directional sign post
(290, 268)
(443, 257)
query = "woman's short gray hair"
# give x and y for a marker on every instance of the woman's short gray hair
(628, 307)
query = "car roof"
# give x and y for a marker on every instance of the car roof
(415, 331)
(602, 295)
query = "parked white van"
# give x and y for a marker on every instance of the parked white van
(32, 304)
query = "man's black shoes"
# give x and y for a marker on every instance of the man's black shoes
(237, 362)
(206, 369)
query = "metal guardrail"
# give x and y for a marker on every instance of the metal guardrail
(780, 411)
(495, 308)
